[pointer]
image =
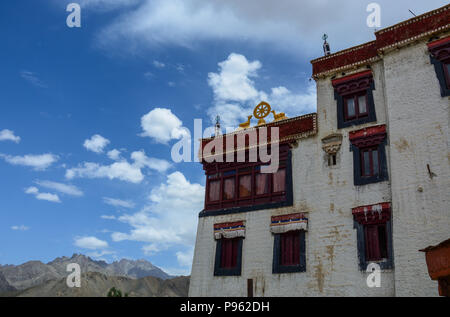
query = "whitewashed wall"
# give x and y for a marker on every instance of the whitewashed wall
(418, 119)
(418, 126)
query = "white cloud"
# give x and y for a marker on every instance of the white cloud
(96, 143)
(159, 64)
(32, 78)
(293, 26)
(42, 196)
(233, 82)
(20, 228)
(151, 249)
(119, 170)
(31, 190)
(60, 187)
(99, 255)
(185, 258)
(118, 202)
(91, 243)
(235, 94)
(142, 160)
(8, 135)
(162, 125)
(122, 170)
(169, 219)
(114, 155)
(106, 5)
(38, 162)
(108, 217)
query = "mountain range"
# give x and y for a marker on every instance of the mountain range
(136, 277)
(94, 284)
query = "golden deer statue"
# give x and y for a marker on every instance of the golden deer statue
(246, 124)
(278, 116)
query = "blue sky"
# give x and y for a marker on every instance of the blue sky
(88, 115)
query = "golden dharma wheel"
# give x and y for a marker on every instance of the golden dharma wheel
(262, 110)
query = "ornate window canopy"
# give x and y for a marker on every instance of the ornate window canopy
(440, 49)
(229, 230)
(291, 222)
(331, 144)
(371, 136)
(440, 58)
(372, 214)
(353, 83)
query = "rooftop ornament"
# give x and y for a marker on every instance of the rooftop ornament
(261, 111)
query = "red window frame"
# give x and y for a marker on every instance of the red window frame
(253, 199)
(229, 253)
(355, 98)
(290, 248)
(372, 172)
(376, 242)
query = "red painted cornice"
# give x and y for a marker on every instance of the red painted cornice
(393, 36)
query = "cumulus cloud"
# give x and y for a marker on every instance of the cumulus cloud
(96, 143)
(67, 189)
(108, 217)
(141, 160)
(122, 170)
(170, 218)
(42, 196)
(233, 82)
(90, 243)
(162, 125)
(37, 162)
(118, 202)
(235, 93)
(114, 155)
(8, 135)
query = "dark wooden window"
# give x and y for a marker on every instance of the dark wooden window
(229, 253)
(228, 257)
(289, 252)
(447, 73)
(369, 155)
(376, 242)
(290, 248)
(440, 58)
(279, 180)
(374, 235)
(355, 102)
(355, 106)
(233, 186)
(332, 159)
(370, 162)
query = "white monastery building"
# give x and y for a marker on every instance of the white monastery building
(364, 180)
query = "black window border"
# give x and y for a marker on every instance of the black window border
(361, 246)
(440, 74)
(371, 117)
(236, 271)
(358, 179)
(280, 269)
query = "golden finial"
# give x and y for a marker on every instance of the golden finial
(261, 111)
